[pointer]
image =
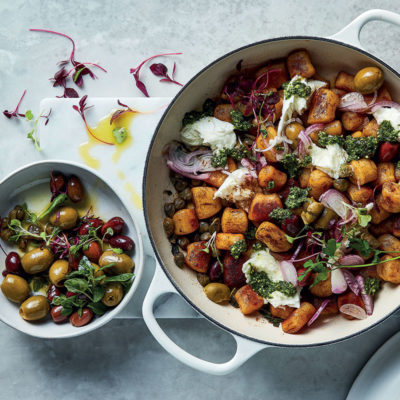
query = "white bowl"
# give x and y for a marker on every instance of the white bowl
(30, 179)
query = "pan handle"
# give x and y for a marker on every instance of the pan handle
(350, 34)
(245, 349)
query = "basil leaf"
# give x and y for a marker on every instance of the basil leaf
(55, 203)
(98, 308)
(119, 278)
(66, 311)
(98, 293)
(76, 285)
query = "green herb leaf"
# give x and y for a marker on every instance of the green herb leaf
(119, 278)
(76, 285)
(28, 115)
(98, 293)
(275, 321)
(117, 250)
(98, 308)
(331, 247)
(53, 205)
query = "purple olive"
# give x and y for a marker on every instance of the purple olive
(122, 242)
(13, 262)
(215, 272)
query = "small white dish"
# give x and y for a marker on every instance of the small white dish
(107, 204)
(380, 378)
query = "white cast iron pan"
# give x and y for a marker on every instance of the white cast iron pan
(342, 51)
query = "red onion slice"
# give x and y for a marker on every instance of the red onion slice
(336, 201)
(353, 310)
(380, 104)
(318, 312)
(353, 101)
(367, 298)
(339, 284)
(351, 282)
(289, 272)
(351, 259)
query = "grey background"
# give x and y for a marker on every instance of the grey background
(122, 360)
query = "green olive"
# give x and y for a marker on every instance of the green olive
(113, 294)
(217, 292)
(58, 272)
(341, 184)
(64, 218)
(37, 260)
(34, 308)
(15, 288)
(323, 221)
(313, 211)
(368, 80)
(122, 262)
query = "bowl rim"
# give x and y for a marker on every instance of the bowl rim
(139, 266)
(145, 175)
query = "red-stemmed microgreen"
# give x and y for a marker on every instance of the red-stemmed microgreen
(78, 70)
(122, 111)
(15, 113)
(159, 69)
(83, 107)
(135, 72)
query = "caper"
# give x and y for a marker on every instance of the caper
(169, 209)
(179, 203)
(203, 279)
(248, 141)
(196, 237)
(196, 182)
(12, 214)
(19, 213)
(217, 292)
(180, 185)
(49, 229)
(205, 236)
(113, 295)
(34, 229)
(4, 222)
(203, 227)
(173, 239)
(183, 242)
(22, 244)
(186, 194)
(34, 308)
(215, 225)
(341, 184)
(6, 234)
(168, 225)
(179, 259)
(15, 288)
(368, 80)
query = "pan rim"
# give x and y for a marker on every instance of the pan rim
(145, 211)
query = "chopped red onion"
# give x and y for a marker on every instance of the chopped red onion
(351, 281)
(319, 311)
(289, 272)
(367, 298)
(336, 201)
(339, 284)
(353, 310)
(297, 251)
(351, 259)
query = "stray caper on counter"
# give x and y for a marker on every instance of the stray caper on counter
(70, 267)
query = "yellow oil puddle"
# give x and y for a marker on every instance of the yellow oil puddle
(121, 175)
(103, 135)
(134, 196)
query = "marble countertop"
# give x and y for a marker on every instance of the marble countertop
(122, 360)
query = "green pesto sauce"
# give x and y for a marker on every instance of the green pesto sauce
(297, 88)
(262, 285)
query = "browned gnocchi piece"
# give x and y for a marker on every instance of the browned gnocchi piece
(262, 205)
(298, 318)
(385, 172)
(363, 171)
(352, 121)
(345, 82)
(222, 112)
(273, 237)
(271, 178)
(205, 204)
(234, 220)
(281, 312)
(391, 197)
(323, 107)
(319, 182)
(322, 288)
(389, 271)
(299, 63)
